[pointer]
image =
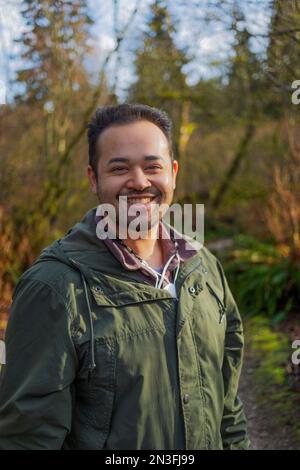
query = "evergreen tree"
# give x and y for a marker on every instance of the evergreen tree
(244, 98)
(54, 48)
(283, 52)
(160, 79)
(245, 75)
(56, 92)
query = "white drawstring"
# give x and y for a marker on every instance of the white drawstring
(177, 269)
(164, 272)
(153, 272)
(159, 282)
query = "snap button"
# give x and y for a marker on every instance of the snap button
(192, 290)
(98, 289)
(186, 398)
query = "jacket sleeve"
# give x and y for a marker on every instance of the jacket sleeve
(35, 385)
(233, 425)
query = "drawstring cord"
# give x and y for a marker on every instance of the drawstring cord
(92, 364)
(167, 265)
(177, 269)
(159, 281)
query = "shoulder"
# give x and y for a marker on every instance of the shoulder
(43, 297)
(212, 262)
(208, 259)
(47, 286)
(52, 273)
(209, 266)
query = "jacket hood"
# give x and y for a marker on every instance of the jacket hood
(80, 248)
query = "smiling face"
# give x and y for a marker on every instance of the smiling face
(134, 161)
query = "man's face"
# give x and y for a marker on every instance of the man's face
(134, 162)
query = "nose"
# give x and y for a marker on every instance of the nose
(138, 180)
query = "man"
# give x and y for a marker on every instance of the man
(125, 343)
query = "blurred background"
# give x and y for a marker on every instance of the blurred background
(226, 72)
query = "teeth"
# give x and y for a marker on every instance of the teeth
(144, 200)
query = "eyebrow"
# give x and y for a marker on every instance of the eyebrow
(126, 160)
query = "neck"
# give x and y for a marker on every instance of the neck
(148, 249)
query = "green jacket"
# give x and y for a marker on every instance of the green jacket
(97, 358)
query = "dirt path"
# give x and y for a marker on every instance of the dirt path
(264, 430)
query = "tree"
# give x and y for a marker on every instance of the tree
(55, 88)
(244, 96)
(161, 81)
(283, 52)
(55, 44)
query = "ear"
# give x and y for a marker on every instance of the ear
(174, 172)
(92, 178)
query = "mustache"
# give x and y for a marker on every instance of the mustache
(149, 192)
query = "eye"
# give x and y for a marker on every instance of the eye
(118, 169)
(153, 167)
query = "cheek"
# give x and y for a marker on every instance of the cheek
(164, 182)
(109, 188)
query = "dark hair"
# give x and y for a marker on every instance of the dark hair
(108, 116)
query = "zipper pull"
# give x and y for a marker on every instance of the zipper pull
(222, 314)
(222, 308)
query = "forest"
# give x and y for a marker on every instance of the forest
(228, 74)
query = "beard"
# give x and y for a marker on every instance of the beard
(133, 220)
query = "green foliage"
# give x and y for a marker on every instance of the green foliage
(217, 229)
(271, 351)
(263, 281)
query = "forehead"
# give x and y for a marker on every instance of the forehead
(141, 136)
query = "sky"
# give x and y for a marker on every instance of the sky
(207, 41)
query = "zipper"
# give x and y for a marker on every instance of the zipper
(222, 308)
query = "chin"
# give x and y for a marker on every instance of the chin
(142, 226)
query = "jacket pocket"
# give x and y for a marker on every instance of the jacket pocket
(220, 304)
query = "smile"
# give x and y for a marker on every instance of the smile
(140, 200)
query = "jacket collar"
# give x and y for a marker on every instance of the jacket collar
(82, 247)
(130, 262)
